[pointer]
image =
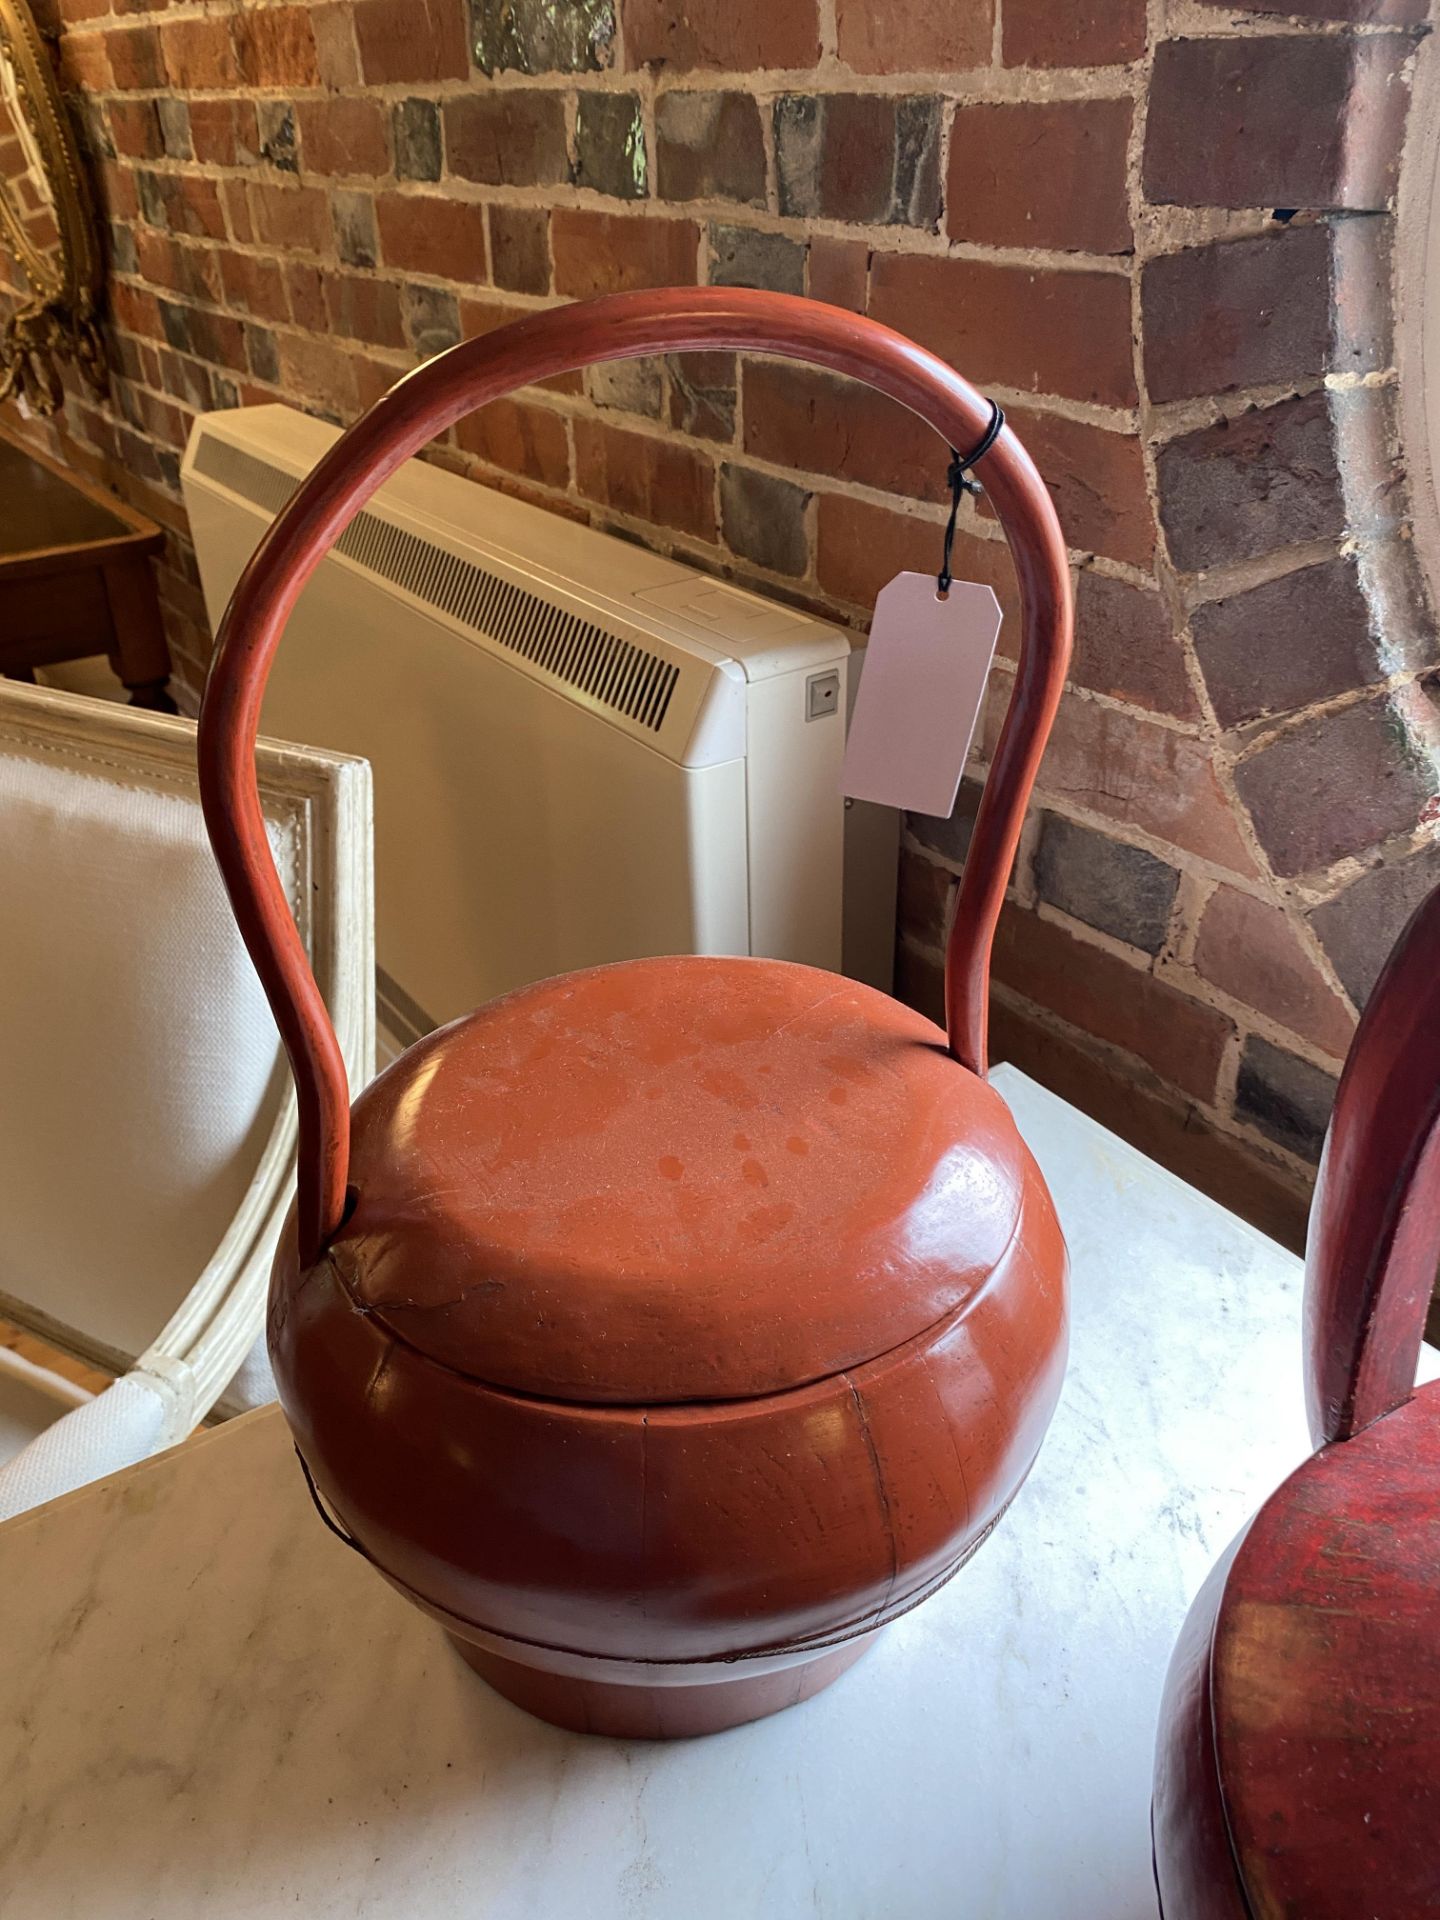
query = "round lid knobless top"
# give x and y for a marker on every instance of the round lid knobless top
(674, 1180)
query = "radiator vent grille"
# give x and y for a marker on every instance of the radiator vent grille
(608, 669)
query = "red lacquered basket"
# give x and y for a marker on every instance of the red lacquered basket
(666, 1329)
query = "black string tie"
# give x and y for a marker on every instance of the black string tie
(961, 482)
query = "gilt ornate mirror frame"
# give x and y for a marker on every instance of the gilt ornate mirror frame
(57, 322)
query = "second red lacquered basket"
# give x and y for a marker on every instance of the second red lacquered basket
(662, 1330)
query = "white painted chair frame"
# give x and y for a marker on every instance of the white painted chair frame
(326, 797)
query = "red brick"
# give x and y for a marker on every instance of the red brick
(645, 477)
(520, 437)
(1303, 120)
(861, 547)
(615, 252)
(1065, 333)
(735, 37)
(1127, 1006)
(1246, 313)
(1142, 775)
(482, 316)
(1077, 33)
(1252, 951)
(839, 272)
(220, 130)
(374, 378)
(276, 47)
(119, 197)
(359, 308)
(508, 135)
(1097, 480)
(866, 158)
(1126, 646)
(254, 285)
(343, 136)
(136, 310)
(85, 64)
(335, 49)
(1341, 783)
(1041, 174)
(290, 217)
(427, 233)
(198, 54)
(135, 58)
(236, 200)
(822, 423)
(165, 262)
(183, 203)
(1267, 479)
(306, 293)
(916, 36)
(411, 40)
(319, 371)
(135, 129)
(520, 248)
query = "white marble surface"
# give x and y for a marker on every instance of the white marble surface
(208, 1707)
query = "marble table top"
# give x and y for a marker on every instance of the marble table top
(209, 1707)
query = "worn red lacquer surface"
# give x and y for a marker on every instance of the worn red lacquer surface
(1298, 1769)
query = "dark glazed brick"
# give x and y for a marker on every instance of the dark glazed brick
(1121, 890)
(1335, 785)
(1296, 640)
(862, 157)
(432, 318)
(176, 322)
(123, 257)
(416, 129)
(174, 118)
(1248, 486)
(520, 249)
(1359, 926)
(610, 145)
(513, 136)
(1247, 313)
(1126, 646)
(537, 36)
(355, 237)
(1287, 1098)
(745, 257)
(950, 838)
(1308, 121)
(628, 386)
(261, 353)
(277, 134)
(703, 395)
(763, 519)
(709, 146)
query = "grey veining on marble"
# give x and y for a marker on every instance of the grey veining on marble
(208, 1707)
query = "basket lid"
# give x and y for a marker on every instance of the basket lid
(675, 1180)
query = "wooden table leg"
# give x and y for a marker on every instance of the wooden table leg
(139, 652)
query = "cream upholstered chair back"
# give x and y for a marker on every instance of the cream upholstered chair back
(146, 1120)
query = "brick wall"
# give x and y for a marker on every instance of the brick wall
(1160, 233)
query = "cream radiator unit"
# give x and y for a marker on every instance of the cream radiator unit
(581, 752)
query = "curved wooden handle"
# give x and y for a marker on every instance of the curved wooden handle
(1374, 1242)
(426, 402)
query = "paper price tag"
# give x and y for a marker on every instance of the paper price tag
(920, 693)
